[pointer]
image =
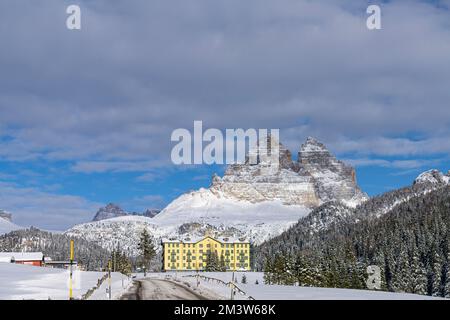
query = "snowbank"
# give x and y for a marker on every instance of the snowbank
(23, 282)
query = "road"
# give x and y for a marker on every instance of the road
(158, 289)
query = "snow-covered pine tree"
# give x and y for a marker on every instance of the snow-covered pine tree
(436, 275)
(402, 275)
(418, 277)
(146, 249)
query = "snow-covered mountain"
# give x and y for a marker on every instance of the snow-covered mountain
(114, 211)
(433, 177)
(6, 224)
(110, 211)
(335, 213)
(258, 201)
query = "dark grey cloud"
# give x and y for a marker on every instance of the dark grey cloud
(111, 93)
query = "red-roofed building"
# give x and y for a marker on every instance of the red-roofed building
(28, 258)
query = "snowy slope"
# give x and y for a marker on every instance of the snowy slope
(258, 222)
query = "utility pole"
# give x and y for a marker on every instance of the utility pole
(232, 286)
(72, 247)
(198, 279)
(109, 279)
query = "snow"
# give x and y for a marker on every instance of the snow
(433, 177)
(277, 292)
(23, 282)
(22, 256)
(6, 226)
(256, 222)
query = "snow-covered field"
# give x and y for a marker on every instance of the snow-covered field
(276, 292)
(22, 282)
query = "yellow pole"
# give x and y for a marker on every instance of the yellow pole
(71, 270)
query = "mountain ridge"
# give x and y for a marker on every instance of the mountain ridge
(254, 200)
(111, 211)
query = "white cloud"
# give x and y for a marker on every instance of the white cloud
(31, 206)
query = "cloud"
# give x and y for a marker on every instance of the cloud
(145, 202)
(106, 99)
(50, 211)
(398, 164)
(115, 90)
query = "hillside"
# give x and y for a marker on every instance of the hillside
(405, 232)
(56, 246)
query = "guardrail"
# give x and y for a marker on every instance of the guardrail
(91, 291)
(230, 284)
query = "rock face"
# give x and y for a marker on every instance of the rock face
(334, 180)
(433, 177)
(109, 212)
(6, 215)
(316, 177)
(150, 213)
(114, 211)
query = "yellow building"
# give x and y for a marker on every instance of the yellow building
(192, 254)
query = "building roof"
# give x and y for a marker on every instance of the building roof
(21, 256)
(198, 239)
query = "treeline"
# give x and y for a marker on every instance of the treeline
(57, 246)
(410, 243)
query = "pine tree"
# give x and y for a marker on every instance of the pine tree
(222, 264)
(146, 249)
(268, 270)
(212, 261)
(418, 278)
(436, 275)
(402, 276)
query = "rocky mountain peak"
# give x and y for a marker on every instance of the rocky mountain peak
(151, 213)
(334, 179)
(110, 211)
(315, 178)
(433, 177)
(313, 145)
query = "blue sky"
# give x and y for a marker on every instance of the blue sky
(86, 116)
